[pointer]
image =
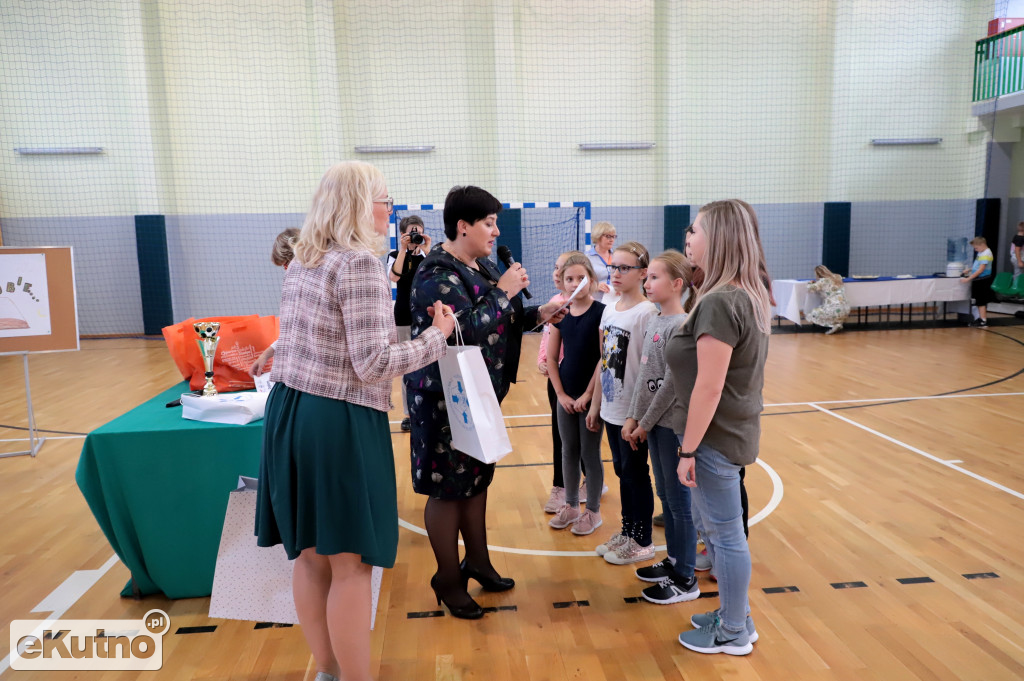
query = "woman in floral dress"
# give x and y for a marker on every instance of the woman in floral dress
(491, 316)
(834, 309)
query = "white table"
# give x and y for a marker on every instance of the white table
(793, 297)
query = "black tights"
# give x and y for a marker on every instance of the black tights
(445, 520)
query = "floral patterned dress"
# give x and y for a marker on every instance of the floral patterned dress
(834, 309)
(489, 320)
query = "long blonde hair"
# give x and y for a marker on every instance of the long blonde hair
(342, 213)
(822, 272)
(734, 255)
(579, 258)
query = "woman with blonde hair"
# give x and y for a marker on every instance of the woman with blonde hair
(834, 309)
(327, 474)
(602, 239)
(717, 362)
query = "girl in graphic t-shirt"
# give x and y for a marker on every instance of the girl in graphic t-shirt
(622, 332)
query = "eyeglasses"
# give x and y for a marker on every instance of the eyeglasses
(389, 201)
(624, 268)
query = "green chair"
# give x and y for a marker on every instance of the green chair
(1003, 284)
(1018, 290)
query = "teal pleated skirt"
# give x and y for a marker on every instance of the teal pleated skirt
(327, 478)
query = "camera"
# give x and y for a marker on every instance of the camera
(415, 238)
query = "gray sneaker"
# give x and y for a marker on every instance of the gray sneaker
(713, 638)
(703, 561)
(703, 619)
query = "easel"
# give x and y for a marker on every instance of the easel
(46, 275)
(35, 442)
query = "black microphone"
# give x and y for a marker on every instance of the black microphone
(505, 256)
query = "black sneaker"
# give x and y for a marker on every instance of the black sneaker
(667, 591)
(406, 425)
(979, 324)
(657, 572)
(658, 520)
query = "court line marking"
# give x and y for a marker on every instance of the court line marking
(773, 503)
(909, 398)
(921, 452)
(892, 399)
(60, 600)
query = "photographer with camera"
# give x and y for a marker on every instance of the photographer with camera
(413, 246)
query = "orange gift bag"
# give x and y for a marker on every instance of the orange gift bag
(242, 339)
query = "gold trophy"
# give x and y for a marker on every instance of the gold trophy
(207, 342)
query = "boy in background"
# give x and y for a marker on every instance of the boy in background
(979, 275)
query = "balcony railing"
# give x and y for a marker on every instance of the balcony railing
(999, 65)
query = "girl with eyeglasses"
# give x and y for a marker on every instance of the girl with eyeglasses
(621, 336)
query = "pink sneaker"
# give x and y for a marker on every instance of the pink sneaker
(587, 523)
(566, 516)
(556, 500)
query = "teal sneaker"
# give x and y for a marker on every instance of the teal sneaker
(702, 620)
(713, 638)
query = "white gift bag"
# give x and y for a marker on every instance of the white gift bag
(254, 583)
(232, 408)
(478, 426)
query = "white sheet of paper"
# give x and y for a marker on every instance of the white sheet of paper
(263, 382)
(585, 282)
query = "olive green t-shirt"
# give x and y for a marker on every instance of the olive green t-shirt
(727, 315)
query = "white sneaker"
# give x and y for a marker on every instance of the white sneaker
(566, 516)
(630, 552)
(614, 542)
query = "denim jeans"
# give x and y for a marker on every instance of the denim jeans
(716, 500)
(680, 534)
(634, 486)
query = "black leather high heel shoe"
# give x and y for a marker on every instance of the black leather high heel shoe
(499, 584)
(470, 611)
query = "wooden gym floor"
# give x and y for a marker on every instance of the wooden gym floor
(858, 494)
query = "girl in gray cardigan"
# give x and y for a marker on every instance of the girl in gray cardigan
(673, 578)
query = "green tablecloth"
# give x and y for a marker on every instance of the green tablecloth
(158, 486)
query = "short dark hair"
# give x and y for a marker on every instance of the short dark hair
(408, 221)
(467, 203)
